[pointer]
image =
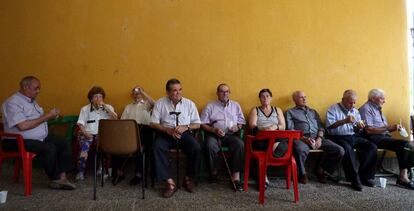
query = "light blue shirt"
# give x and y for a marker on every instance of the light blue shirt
(338, 112)
(19, 108)
(371, 113)
(223, 116)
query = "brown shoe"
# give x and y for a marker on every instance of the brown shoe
(189, 185)
(320, 175)
(303, 179)
(169, 190)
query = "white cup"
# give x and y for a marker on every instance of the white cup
(403, 132)
(3, 196)
(383, 182)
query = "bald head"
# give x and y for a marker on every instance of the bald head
(299, 97)
(30, 87)
(349, 98)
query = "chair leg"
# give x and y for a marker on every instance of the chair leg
(246, 173)
(262, 175)
(94, 176)
(288, 176)
(101, 155)
(1, 162)
(295, 182)
(27, 175)
(144, 175)
(178, 165)
(152, 168)
(17, 166)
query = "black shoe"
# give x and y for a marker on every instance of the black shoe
(239, 185)
(356, 186)
(135, 181)
(117, 179)
(369, 183)
(408, 185)
(212, 179)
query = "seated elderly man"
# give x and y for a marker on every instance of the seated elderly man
(163, 120)
(222, 119)
(344, 124)
(22, 115)
(378, 132)
(306, 119)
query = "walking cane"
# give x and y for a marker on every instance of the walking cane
(177, 113)
(227, 164)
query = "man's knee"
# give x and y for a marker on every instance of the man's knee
(194, 145)
(301, 148)
(212, 145)
(341, 151)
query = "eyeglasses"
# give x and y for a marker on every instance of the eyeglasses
(97, 96)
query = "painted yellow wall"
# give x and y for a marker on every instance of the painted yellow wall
(320, 46)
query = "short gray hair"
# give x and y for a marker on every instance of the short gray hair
(27, 80)
(349, 93)
(373, 93)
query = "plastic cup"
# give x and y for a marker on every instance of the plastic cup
(3, 196)
(403, 132)
(383, 182)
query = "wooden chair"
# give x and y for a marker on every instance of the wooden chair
(265, 159)
(118, 137)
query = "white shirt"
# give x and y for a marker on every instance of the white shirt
(138, 111)
(163, 107)
(89, 117)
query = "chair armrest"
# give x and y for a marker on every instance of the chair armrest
(241, 133)
(17, 137)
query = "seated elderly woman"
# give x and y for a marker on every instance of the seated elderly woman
(139, 110)
(267, 117)
(89, 123)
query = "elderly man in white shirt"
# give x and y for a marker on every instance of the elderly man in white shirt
(163, 120)
(140, 111)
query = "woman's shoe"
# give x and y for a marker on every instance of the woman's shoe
(117, 179)
(135, 181)
(408, 185)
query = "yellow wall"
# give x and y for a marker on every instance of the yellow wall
(320, 46)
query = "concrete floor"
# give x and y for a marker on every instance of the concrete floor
(313, 196)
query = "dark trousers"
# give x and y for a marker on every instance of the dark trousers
(235, 145)
(54, 153)
(163, 143)
(367, 153)
(331, 157)
(117, 161)
(387, 142)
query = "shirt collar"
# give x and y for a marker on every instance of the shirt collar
(172, 103)
(28, 99)
(224, 104)
(305, 108)
(374, 105)
(93, 108)
(139, 101)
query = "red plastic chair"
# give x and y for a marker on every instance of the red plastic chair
(265, 159)
(22, 156)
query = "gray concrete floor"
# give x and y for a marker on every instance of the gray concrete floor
(313, 196)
